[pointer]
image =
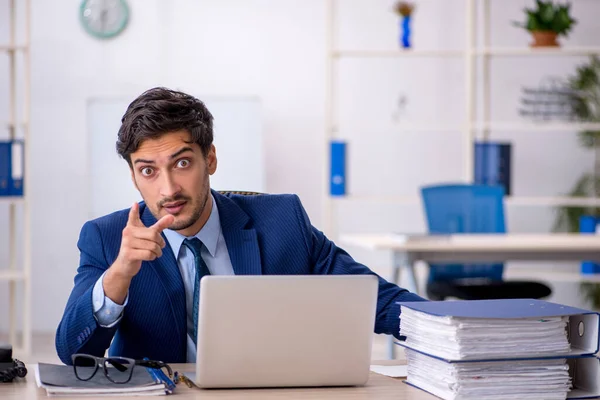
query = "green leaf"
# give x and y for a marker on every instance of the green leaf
(591, 293)
(547, 14)
(589, 139)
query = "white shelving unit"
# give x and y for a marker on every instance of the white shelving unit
(18, 274)
(472, 53)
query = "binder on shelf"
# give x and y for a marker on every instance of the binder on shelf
(493, 164)
(11, 167)
(5, 167)
(582, 326)
(17, 170)
(338, 168)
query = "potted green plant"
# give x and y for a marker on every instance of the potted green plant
(585, 106)
(547, 22)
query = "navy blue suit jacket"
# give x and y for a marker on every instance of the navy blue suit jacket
(266, 234)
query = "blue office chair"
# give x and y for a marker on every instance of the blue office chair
(465, 208)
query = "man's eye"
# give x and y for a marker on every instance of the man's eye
(183, 163)
(146, 171)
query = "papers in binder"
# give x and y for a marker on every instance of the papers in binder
(501, 349)
(498, 329)
(496, 380)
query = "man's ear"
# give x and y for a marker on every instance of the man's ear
(211, 159)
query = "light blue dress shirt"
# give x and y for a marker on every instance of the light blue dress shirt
(214, 254)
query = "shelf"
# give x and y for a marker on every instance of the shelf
(10, 48)
(405, 200)
(489, 51)
(11, 275)
(537, 126)
(423, 127)
(510, 200)
(496, 126)
(548, 51)
(8, 124)
(397, 53)
(12, 199)
(552, 201)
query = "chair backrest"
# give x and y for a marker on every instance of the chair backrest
(462, 208)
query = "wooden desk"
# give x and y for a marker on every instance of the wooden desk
(407, 250)
(378, 387)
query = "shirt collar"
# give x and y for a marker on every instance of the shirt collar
(209, 234)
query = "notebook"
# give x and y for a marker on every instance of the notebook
(60, 380)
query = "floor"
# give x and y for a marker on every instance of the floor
(43, 349)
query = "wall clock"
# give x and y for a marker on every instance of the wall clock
(104, 19)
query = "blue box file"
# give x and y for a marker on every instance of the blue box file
(337, 178)
(493, 164)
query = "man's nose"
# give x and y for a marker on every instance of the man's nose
(169, 187)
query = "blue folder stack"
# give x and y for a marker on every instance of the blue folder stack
(501, 349)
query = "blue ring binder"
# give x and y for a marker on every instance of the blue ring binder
(337, 178)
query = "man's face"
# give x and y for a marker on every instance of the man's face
(172, 175)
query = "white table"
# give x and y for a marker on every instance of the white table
(407, 250)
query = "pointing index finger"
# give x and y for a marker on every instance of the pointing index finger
(134, 215)
(163, 223)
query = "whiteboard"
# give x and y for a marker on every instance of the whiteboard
(238, 139)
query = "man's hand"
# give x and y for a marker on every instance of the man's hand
(138, 243)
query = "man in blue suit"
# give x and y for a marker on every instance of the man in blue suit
(136, 285)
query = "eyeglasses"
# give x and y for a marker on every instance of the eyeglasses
(116, 369)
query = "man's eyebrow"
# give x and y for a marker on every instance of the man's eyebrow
(178, 153)
(172, 156)
(141, 160)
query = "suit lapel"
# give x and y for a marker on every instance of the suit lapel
(242, 242)
(168, 272)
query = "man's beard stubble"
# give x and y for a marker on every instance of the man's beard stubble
(196, 211)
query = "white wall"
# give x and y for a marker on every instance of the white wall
(274, 50)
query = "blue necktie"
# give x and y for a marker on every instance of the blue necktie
(195, 246)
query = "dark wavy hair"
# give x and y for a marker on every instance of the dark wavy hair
(158, 111)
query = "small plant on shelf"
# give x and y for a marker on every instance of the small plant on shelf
(547, 22)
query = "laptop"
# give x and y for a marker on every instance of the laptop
(285, 330)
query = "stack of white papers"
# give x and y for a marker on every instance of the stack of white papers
(501, 349)
(460, 338)
(496, 380)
